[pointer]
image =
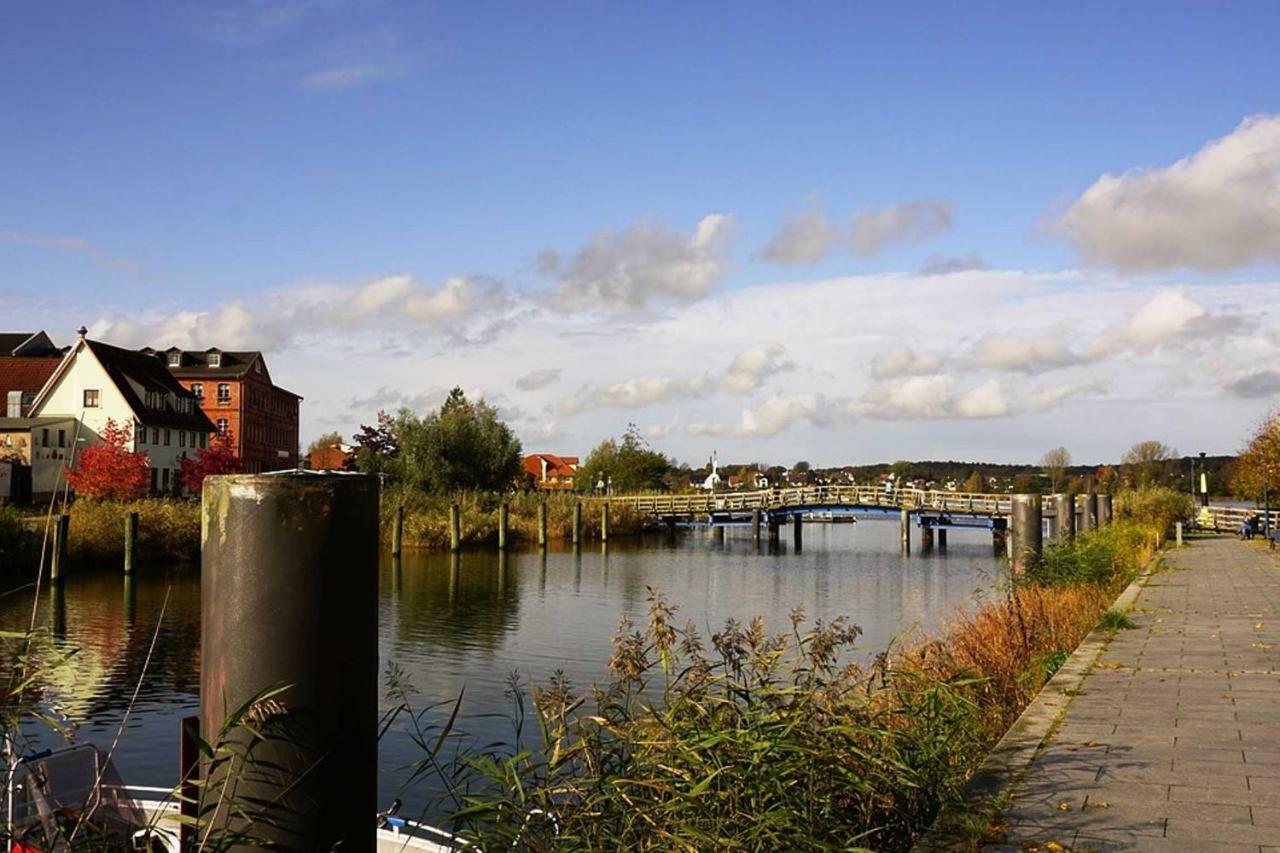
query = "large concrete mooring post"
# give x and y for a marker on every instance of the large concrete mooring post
(1064, 518)
(904, 520)
(1104, 509)
(1088, 512)
(1025, 520)
(289, 599)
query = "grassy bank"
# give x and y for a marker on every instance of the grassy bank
(19, 544)
(757, 741)
(426, 522)
(168, 530)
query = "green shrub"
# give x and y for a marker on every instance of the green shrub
(1156, 507)
(1109, 556)
(1115, 620)
(19, 543)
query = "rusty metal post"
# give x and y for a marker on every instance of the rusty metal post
(58, 558)
(130, 540)
(289, 599)
(503, 517)
(1104, 509)
(797, 532)
(1025, 517)
(455, 527)
(577, 523)
(604, 522)
(542, 524)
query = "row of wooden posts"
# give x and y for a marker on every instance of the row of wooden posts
(504, 527)
(62, 532)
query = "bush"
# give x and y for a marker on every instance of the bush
(1110, 556)
(19, 544)
(1156, 507)
(168, 529)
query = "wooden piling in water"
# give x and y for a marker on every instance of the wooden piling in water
(604, 522)
(502, 526)
(774, 524)
(130, 540)
(397, 532)
(755, 526)
(542, 524)
(717, 533)
(577, 523)
(455, 527)
(905, 525)
(58, 558)
(1025, 519)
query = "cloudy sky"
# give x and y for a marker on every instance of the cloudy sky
(843, 233)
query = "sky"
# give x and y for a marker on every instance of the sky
(843, 233)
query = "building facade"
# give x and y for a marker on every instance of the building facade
(27, 360)
(236, 393)
(551, 472)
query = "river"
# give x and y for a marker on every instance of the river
(470, 621)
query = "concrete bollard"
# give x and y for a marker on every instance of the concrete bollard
(904, 519)
(542, 524)
(1064, 517)
(130, 541)
(289, 599)
(58, 559)
(1177, 530)
(604, 522)
(797, 532)
(397, 533)
(455, 527)
(1025, 518)
(1104, 510)
(577, 523)
(503, 517)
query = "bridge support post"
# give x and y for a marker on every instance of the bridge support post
(755, 526)
(926, 539)
(1089, 512)
(797, 532)
(998, 537)
(1063, 527)
(577, 523)
(1104, 510)
(774, 524)
(905, 521)
(942, 539)
(1025, 517)
(717, 532)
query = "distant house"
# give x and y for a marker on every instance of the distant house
(550, 471)
(27, 360)
(331, 457)
(96, 382)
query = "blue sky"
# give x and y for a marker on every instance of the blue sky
(164, 163)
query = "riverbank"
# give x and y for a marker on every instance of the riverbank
(755, 740)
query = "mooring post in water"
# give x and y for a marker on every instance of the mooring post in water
(942, 540)
(755, 526)
(797, 532)
(130, 540)
(1026, 517)
(717, 532)
(58, 558)
(1089, 512)
(542, 524)
(1063, 528)
(577, 523)
(397, 533)
(455, 527)
(502, 526)
(1104, 509)
(289, 602)
(604, 522)
(905, 523)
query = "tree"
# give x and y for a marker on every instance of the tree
(901, 470)
(329, 439)
(975, 484)
(218, 458)
(463, 447)
(801, 467)
(110, 470)
(1147, 461)
(377, 446)
(1055, 464)
(1258, 466)
(626, 465)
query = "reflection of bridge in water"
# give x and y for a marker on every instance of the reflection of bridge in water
(931, 511)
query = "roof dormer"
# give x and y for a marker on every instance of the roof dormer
(214, 357)
(173, 357)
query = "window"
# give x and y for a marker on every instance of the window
(141, 432)
(155, 435)
(91, 398)
(257, 365)
(164, 479)
(155, 475)
(44, 437)
(197, 388)
(62, 438)
(204, 440)
(182, 438)
(215, 359)
(14, 404)
(166, 438)
(175, 359)
(224, 393)
(222, 426)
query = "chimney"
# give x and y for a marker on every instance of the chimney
(82, 331)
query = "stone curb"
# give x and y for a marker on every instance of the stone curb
(1005, 765)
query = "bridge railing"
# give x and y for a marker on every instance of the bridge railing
(861, 496)
(1231, 518)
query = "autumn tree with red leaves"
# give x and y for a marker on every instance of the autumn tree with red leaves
(111, 470)
(217, 458)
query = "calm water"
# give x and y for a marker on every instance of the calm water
(449, 622)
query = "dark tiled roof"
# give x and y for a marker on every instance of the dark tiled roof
(9, 341)
(25, 374)
(149, 372)
(41, 346)
(195, 363)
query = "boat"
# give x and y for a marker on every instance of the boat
(62, 798)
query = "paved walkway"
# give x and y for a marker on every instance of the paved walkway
(1174, 740)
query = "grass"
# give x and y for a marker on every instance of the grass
(1115, 620)
(168, 530)
(19, 543)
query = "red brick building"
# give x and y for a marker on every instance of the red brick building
(236, 392)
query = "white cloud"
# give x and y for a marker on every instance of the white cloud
(1049, 397)
(902, 360)
(645, 263)
(638, 393)
(342, 77)
(1216, 209)
(1046, 351)
(1171, 317)
(908, 398)
(911, 222)
(751, 367)
(535, 379)
(1255, 383)
(660, 431)
(771, 417)
(988, 400)
(803, 239)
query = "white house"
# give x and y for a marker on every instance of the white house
(96, 382)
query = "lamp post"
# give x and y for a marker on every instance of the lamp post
(1204, 482)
